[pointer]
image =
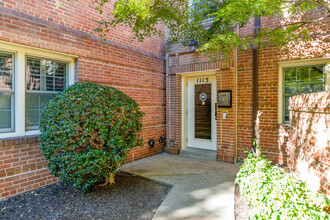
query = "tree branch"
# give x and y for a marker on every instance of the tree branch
(302, 23)
(323, 3)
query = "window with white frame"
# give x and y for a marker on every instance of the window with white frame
(302, 78)
(29, 79)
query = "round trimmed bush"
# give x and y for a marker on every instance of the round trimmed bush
(86, 132)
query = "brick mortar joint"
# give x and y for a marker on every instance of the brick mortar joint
(310, 110)
(20, 174)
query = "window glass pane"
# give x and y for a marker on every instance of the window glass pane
(35, 103)
(317, 86)
(286, 111)
(303, 74)
(45, 75)
(60, 70)
(301, 80)
(50, 83)
(291, 88)
(6, 70)
(33, 74)
(316, 72)
(6, 123)
(6, 92)
(290, 74)
(303, 87)
(60, 83)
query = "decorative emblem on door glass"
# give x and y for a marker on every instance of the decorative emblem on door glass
(203, 97)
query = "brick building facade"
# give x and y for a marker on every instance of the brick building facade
(37, 30)
(188, 72)
(163, 83)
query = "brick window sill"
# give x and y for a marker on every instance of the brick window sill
(15, 139)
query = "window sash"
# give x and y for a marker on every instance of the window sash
(11, 92)
(12, 113)
(42, 88)
(43, 77)
(309, 81)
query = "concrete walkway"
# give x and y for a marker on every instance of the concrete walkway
(202, 189)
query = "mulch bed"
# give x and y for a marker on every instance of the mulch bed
(240, 207)
(131, 197)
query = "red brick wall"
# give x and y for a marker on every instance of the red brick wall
(81, 15)
(244, 102)
(22, 167)
(234, 136)
(136, 69)
(173, 114)
(268, 59)
(309, 140)
(226, 128)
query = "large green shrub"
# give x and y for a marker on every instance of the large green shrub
(86, 132)
(273, 194)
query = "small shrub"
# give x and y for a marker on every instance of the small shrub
(275, 195)
(86, 132)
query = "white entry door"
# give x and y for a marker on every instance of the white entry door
(202, 112)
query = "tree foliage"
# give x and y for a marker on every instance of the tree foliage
(186, 20)
(86, 132)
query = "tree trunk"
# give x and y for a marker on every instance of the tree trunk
(109, 180)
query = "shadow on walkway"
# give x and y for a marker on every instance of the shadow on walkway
(201, 189)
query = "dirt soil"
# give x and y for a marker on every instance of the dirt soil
(131, 197)
(241, 209)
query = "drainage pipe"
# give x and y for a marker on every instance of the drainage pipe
(167, 77)
(236, 99)
(255, 80)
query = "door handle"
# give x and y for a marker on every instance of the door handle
(215, 110)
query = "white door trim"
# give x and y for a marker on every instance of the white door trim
(184, 102)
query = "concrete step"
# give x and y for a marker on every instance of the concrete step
(199, 153)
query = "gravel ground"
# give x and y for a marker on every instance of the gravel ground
(131, 197)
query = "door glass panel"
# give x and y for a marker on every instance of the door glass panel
(203, 111)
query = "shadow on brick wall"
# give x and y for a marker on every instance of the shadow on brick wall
(308, 144)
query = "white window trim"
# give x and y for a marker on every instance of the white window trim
(20, 52)
(282, 65)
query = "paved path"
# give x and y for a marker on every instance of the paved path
(202, 189)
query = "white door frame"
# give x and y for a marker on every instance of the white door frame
(184, 101)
